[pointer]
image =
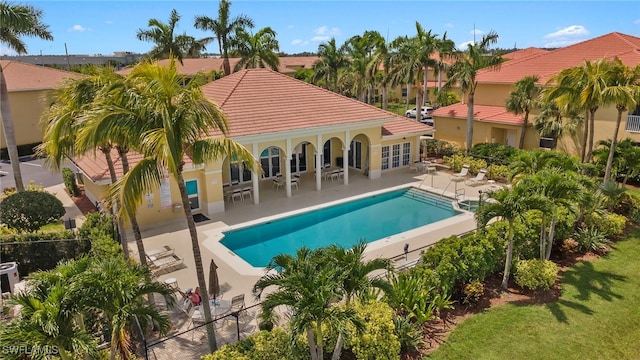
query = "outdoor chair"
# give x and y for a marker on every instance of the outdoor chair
(414, 166)
(295, 182)
(237, 193)
(479, 179)
(159, 252)
(277, 183)
(165, 264)
(246, 192)
(463, 172)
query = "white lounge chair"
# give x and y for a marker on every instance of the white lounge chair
(463, 172)
(479, 179)
(167, 263)
(159, 252)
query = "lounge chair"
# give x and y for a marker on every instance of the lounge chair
(463, 172)
(478, 180)
(167, 263)
(159, 252)
(277, 183)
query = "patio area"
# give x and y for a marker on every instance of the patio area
(272, 202)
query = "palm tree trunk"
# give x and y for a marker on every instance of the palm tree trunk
(592, 123)
(552, 230)
(197, 257)
(425, 88)
(9, 132)
(585, 136)
(469, 122)
(385, 101)
(338, 349)
(312, 344)
(507, 262)
(407, 105)
(106, 150)
(524, 129)
(612, 149)
(543, 239)
(440, 78)
(137, 234)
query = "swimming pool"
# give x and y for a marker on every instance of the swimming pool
(371, 218)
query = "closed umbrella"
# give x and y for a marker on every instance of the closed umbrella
(214, 283)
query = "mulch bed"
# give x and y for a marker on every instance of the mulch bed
(83, 203)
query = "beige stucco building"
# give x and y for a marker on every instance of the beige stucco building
(293, 129)
(494, 124)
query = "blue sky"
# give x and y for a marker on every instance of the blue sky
(102, 27)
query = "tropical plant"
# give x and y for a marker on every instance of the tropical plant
(522, 100)
(309, 286)
(409, 333)
(622, 88)
(533, 161)
(592, 239)
(465, 69)
(259, 50)
(174, 121)
(162, 34)
(381, 55)
(536, 274)
(332, 59)
(411, 296)
(554, 121)
(69, 179)
(404, 70)
(445, 48)
(30, 210)
(508, 204)
(224, 29)
(16, 21)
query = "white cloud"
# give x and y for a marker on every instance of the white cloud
(325, 30)
(290, 26)
(78, 28)
(637, 22)
(463, 46)
(298, 42)
(5, 51)
(320, 38)
(560, 43)
(569, 31)
(477, 32)
(108, 22)
(448, 25)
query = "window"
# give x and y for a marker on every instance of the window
(326, 152)
(355, 154)
(192, 192)
(385, 158)
(270, 161)
(298, 159)
(395, 156)
(406, 154)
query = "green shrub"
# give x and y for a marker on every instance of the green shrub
(30, 210)
(263, 345)
(499, 154)
(497, 172)
(409, 333)
(378, 340)
(592, 239)
(456, 161)
(536, 274)
(611, 225)
(411, 296)
(95, 226)
(226, 352)
(439, 148)
(473, 292)
(69, 179)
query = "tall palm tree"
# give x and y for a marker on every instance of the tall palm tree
(190, 47)
(309, 285)
(63, 120)
(16, 21)
(225, 29)
(623, 90)
(160, 33)
(426, 44)
(555, 121)
(381, 56)
(358, 72)
(116, 289)
(404, 69)
(509, 204)
(178, 122)
(522, 100)
(259, 50)
(445, 47)
(332, 59)
(465, 69)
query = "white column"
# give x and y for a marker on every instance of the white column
(287, 167)
(345, 156)
(319, 162)
(255, 176)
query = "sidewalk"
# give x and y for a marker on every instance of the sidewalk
(72, 211)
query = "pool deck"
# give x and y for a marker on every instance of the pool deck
(236, 277)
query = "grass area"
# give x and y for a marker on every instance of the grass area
(597, 317)
(52, 227)
(634, 191)
(396, 108)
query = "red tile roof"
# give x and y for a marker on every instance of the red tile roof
(23, 77)
(523, 53)
(261, 101)
(550, 63)
(404, 126)
(495, 114)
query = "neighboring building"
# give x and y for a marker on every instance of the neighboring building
(291, 127)
(494, 124)
(28, 86)
(121, 58)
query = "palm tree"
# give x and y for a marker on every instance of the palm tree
(381, 55)
(522, 100)
(116, 289)
(534, 161)
(623, 90)
(426, 44)
(332, 59)
(224, 29)
(166, 44)
(178, 121)
(445, 48)
(16, 21)
(190, 47)
(465, 69)
(257, 50)
(309, 285)
(404, 68)
(554, 121)
(509, 204)
(358, 72)
(62, 122)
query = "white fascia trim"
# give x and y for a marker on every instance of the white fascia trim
(400, 136)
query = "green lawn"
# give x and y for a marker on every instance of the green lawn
(597, 317)
(634, 191)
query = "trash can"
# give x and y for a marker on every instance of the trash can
(9, 276)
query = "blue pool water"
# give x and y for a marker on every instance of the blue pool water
(371, 219)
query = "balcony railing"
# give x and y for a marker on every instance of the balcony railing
(633, 123)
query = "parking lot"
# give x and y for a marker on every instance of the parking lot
(32, 170)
